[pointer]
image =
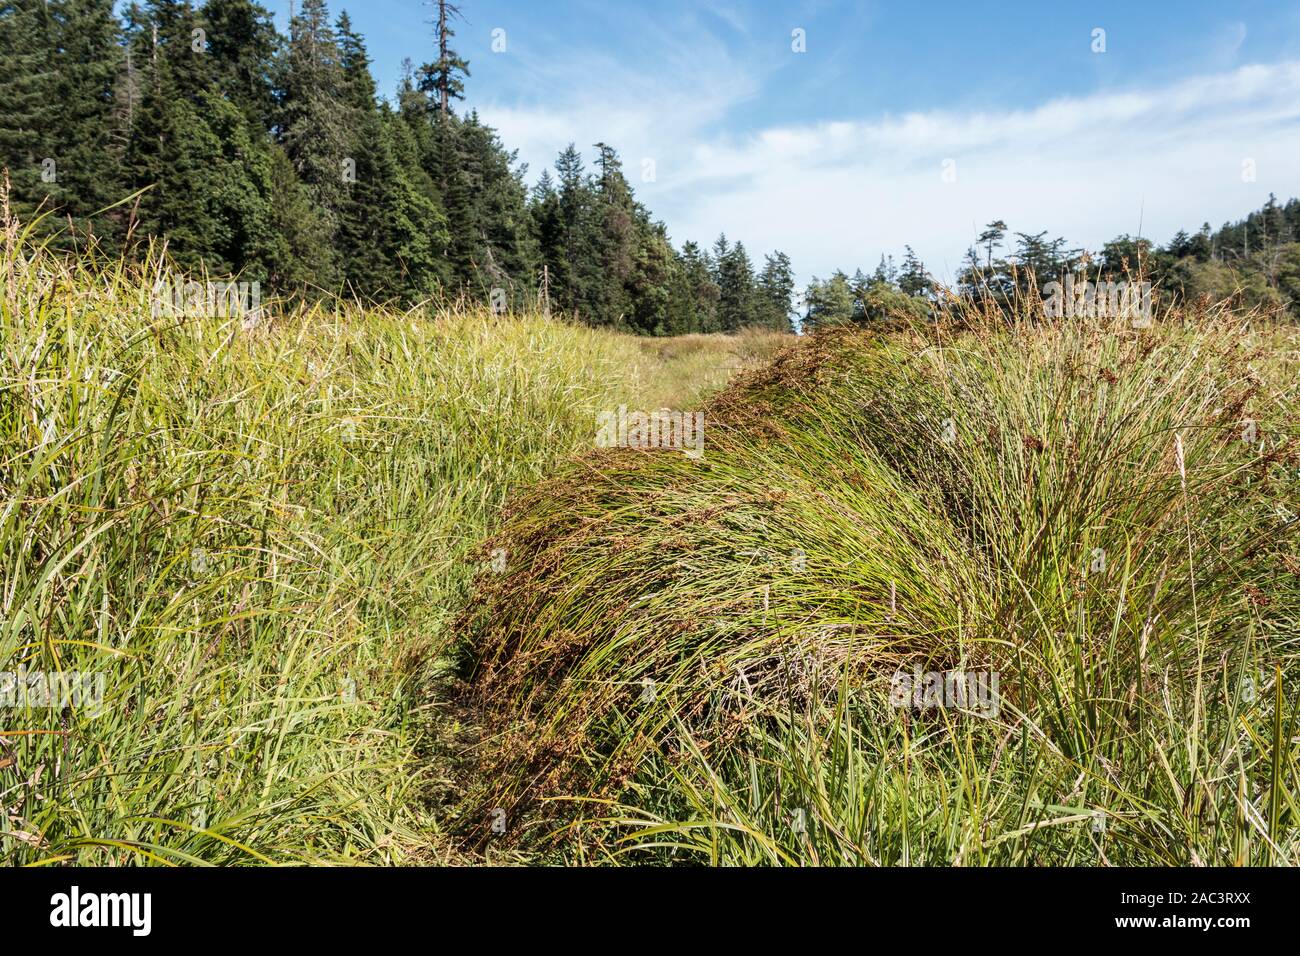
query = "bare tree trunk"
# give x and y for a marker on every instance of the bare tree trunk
(442, 55)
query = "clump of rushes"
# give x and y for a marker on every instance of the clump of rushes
(256, 534)
(692, 660)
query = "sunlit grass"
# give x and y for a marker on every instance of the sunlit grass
(258, 535)
(692, 660)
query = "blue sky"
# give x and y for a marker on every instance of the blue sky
(912, 122)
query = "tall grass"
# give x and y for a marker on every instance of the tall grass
(264, 536)
(692, 660)
(257, 535)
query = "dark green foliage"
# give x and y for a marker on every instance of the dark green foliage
(735, 277)
(251, 152)
(273, 157)
(830, 303)
(776, 292)
(392, 230)
(242, 44)
(888, 293)
(486, 203)
(59, 64)
(1252, 261)
(700, 292)
(316, 122)
(27, 75)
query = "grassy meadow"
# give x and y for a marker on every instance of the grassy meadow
(260, 536)
(695, 661)
(363, 591)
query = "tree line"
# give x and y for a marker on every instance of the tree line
(276, 158)
(1254, 262)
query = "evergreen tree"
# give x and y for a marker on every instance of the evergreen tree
(1126, 256)
(273, 157)
(442, 146)
(735, 277)
(315, 122)
(828, 303)
(776, 288)
(242, 43)
(650, 286)
(615, 237)
(59, 63)
(297, 221)
(170, 146)
(990, 239)
(89, 159)
(579, 275)
(702, 289)
(444, 77)
(547, 221)
(392, 234)
(486, 205)
(29, 118)
(913, 279)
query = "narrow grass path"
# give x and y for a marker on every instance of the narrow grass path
(681, 374)
(252, 538)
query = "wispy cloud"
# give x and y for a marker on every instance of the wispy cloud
(838, 194)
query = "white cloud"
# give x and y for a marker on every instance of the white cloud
(1234, 35)
(838, 194)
